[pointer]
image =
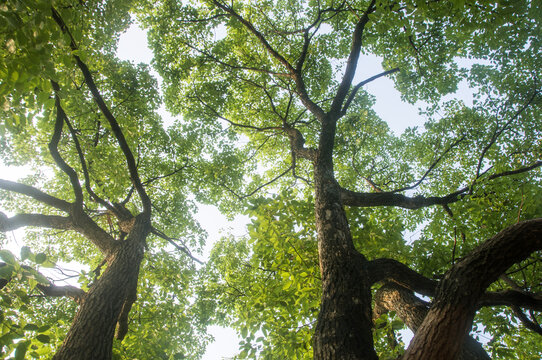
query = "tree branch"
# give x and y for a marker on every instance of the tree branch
(53, 148)
(529, 324)
(352, 198)
(59, 291)
(297, 144)
(36, 220)
(498, 133)
(361, 84)
(241, 197)
(352, 62)
(300, 84)
(50, 289)
(433, 165)
(35, 194)
(117, 131)
(360, 199)
(86, 175)
(412, 311)
(173, 242)
(380, 270)
(458, 294)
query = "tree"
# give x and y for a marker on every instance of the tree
(108, 192)
(282, 74)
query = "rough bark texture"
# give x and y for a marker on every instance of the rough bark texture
(344, 323)
(450, 317)
(412, 311)
(344, 327)
(91, 333)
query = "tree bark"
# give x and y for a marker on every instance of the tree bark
(92, 330)
(450, 317)
(344, 327)
(412, 311)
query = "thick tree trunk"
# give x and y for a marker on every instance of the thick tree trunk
(92, 330)
(344, 328)
(412, 311)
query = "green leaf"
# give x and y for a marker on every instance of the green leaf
(20, 350)
(8, 257)
(43, 338)
(25, 253)
(6, 271)
(40, 258)
(31, 327)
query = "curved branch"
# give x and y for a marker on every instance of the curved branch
(498, 133)
(528, 323)
(433, 165)
(241, 197)
(117, 131)
(412, 311)
(455, 304)
(352, 198)
(391, 270)
(36, 194)
(59, 291)
(360, 199)
(50, 289)
(37, 220)
(53, 148)
(172, 241)
(352, 62)
(297, 144)
(358, 86)
(83, 162)
(78, 219)
(300, 84)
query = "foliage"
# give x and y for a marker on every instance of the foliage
(38, 63)
(240, 104)
(228, 62)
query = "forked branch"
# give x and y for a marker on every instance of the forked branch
(115, 127)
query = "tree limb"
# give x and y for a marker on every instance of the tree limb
(300, 84)
(50, 289)
(172, 241)
(37, 220)
(117, 131)
(361, 84)
(380, 270)
(360, 199)
(352, 62)
(352, 198)
(53, 149)
(529, 324)
(433, 165)
(36, 194)
(59, 291)
(458, 294)
(412, 311)
(83, 162)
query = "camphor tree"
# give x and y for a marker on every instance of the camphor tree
(107, 192)
(285, 75)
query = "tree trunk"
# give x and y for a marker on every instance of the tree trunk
(411, 310)
(344, 328)
(92, 330)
